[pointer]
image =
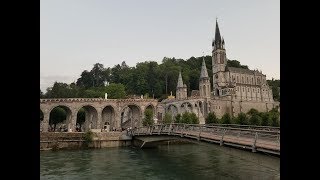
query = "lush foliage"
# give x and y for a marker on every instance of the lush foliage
(275, 86)
(189, 118)
(146, 78)
(235, 63)
(242, 119)
(148, 117)
(254, 117)
(226, 119)
(178, 118)
(212, 118)
(88, 138)
(167, 118)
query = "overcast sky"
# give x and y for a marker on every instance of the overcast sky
(75, 34)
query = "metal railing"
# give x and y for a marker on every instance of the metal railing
(254, 137)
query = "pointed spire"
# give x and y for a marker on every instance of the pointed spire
(204, 72)
(217, 35)
(180, 82)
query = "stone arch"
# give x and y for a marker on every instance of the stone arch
(90, 119)
(173, 110)
(41, 120)
(60, 118)
(186, 107)
(108, 118)
(150, 106)
(130, 116)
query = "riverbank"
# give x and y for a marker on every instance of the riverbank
(77, 140)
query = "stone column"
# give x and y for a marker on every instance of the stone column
(45, 121)
(142, 116)
(117, 120)
(73, 121)
(99, 118)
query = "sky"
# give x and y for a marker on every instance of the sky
(75, 34)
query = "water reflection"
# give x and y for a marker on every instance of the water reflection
(188, 161)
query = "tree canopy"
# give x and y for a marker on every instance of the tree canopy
(146, 78)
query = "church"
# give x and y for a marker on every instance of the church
(233, 90)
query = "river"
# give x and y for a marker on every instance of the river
(185, 161)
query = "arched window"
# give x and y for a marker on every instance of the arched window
(237, 79)
(247, 80)
(221, 58)
(242, 80)
(252, 81)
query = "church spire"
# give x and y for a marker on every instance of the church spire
(180, 82)
(204, 72)
(217, 36)
(217, 42)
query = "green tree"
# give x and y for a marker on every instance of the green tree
(186, 118)
(242, 119)
(189, 118)
(86, 80)
(193, 118)
(252, 112)
(95, 78)
(255, 120)
(115, 91)
(167, 118)
(59, 90)
(235, 63)
(212, 118)
(275, 118)
(275, 86)
(265, 119)
(41, 94)
(148, 117)
(178, 118)
(100, 75)
(226, 119)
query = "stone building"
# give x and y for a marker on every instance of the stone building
(233, 90)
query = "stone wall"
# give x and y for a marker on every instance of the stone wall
(62, 140)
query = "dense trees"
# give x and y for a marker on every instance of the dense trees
(146, 78)
(252, 117)
(275, 86)
(167, 118)
(187, 118)
(211, 118)
(235, 63)
(148, 120)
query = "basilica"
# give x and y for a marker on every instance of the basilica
(231, 90)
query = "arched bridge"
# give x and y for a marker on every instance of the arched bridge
(116, 113)
(257, 138)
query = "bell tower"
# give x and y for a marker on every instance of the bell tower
(219, 61)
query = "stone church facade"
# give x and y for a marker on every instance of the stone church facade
(234, 90)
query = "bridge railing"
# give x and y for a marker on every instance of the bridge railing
(259, 137)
